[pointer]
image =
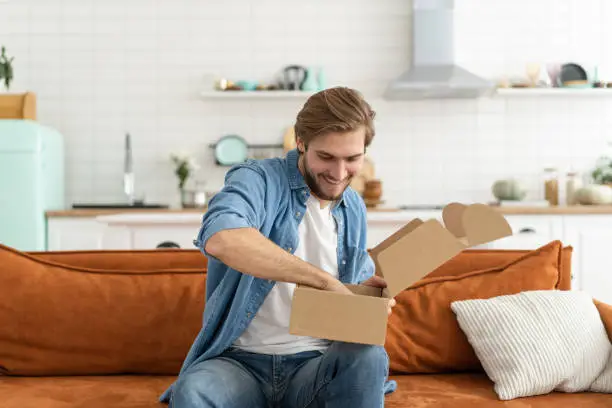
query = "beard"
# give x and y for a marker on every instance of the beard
(311, 181)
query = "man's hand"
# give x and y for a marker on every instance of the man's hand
(334, 285)
(378, 282)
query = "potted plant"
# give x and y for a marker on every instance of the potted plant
(6, 68)
(602, 174)
(185, 166)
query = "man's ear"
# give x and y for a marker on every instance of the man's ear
(300, 145)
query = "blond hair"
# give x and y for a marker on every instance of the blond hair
(338, 109)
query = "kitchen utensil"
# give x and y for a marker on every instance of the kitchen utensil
(193, 199)
(294, 77)
(577, 84)
(554, 70)
(247, 85)
(366, 174)
(373, 190)
(572, 72)
(310, 82)
(230, 150)
(289, 139)
(322, 79)
(370, 203)
(533, 73)
(128, 171)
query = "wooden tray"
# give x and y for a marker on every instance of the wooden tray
(18, 106)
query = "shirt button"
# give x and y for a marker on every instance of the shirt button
(297, 214)
(248, 315)
(344, 262)
(289, 249)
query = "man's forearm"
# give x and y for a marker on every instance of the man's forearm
(248, 251)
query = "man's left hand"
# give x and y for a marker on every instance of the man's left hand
(378, 282)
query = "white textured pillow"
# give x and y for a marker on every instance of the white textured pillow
(536, 342)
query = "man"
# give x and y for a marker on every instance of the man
(278, 223)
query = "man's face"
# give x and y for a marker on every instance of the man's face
(331, 161)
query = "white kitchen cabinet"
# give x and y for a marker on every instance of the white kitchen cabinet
(148, 237)
(530, 232)
(591, 237)
(149, 231)
(74, 233)
(84, 233)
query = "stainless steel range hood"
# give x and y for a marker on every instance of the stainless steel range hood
(433, 73)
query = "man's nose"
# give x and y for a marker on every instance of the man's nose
(339, 171)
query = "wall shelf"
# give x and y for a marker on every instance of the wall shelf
(554, 92)
(256, 94)
(257, 146)
(506, 92)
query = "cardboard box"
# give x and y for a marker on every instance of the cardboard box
(402, 259)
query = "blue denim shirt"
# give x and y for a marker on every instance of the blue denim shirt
(269, 195)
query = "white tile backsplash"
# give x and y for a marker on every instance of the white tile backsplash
(102, 69)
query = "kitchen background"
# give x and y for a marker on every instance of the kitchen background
(104, 68)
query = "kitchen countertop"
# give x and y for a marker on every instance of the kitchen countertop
(94, 212)
(383, 213)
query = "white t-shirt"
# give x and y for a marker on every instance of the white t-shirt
(268, 332)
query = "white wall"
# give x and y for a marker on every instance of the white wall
(102, 68)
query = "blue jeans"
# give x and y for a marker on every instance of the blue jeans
(345, 375)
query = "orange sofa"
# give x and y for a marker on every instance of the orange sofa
(111, 328)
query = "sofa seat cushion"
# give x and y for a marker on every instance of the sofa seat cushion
(413, 391)
(476, 391)
(91, 392)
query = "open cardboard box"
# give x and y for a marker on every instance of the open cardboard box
(402, 259)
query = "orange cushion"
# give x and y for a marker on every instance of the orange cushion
(471, 260)
(142, 260)
(58, 319)
(423, 335)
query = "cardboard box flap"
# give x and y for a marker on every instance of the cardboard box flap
(406, 229)
(413, 253)
(475, 224)
(452, 215)
(484, 224)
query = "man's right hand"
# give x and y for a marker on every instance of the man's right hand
(334, 285)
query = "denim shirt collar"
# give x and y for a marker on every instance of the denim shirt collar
(296, 180)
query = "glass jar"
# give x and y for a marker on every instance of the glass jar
(551, 186)
(572, 184)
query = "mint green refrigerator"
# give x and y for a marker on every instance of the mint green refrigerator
(31, 182)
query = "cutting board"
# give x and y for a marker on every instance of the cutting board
(18, 106)
(289, 139)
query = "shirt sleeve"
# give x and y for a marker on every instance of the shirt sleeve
(239, 204)
(367, 267)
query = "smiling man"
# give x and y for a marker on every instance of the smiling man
(278, 223)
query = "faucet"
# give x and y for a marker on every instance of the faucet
(128, 171)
